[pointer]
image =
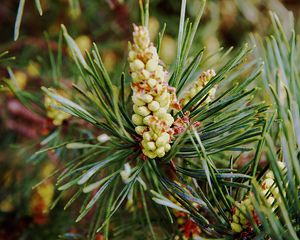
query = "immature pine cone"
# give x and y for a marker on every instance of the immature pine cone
(152, 97)
(239, 221)
(192, 90)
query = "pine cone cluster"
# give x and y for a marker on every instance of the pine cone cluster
(196, 87)
(152, 97)
(240, 222)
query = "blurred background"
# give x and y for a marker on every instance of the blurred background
(24, 211)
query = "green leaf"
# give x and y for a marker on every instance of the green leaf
(104, 162)
(95, 198)
(39, 7)
(160, 199)
(97, 184)
(19, 19)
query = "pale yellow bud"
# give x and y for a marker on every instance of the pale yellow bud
(151, 65)
(159, 88)
(135, 77)
(212, 92)
(137, 101)
(281, 165)
(160, 113)
(270, 200)
(270, 174)
(137, 119)
(153, 106)
(162, 140)
(243, 221)
(159, 73)
(165, 101)
(162, 96)
(275, 191)
(144, 111)
(242, 217)
(152, 82)
(147, 98)
(146, 120)
(144, 143)
(21, 79)
(149, 154)
(135, 108)
(247, 202)
(160, 152)
(140, 130)
(250, 208)
(198, 87)
(146, 74)
(153, 51)
(192, 92)
(147, 136)
(157, 128)
(144, 44)
(265, 192)
(154, 136)
(235, 218)
(267, 183)
(131, 55)
(137, 65)
(243, 208)
(150, 146)
(236, 227)
(167, 147)
(141, 37)
(169, 119)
